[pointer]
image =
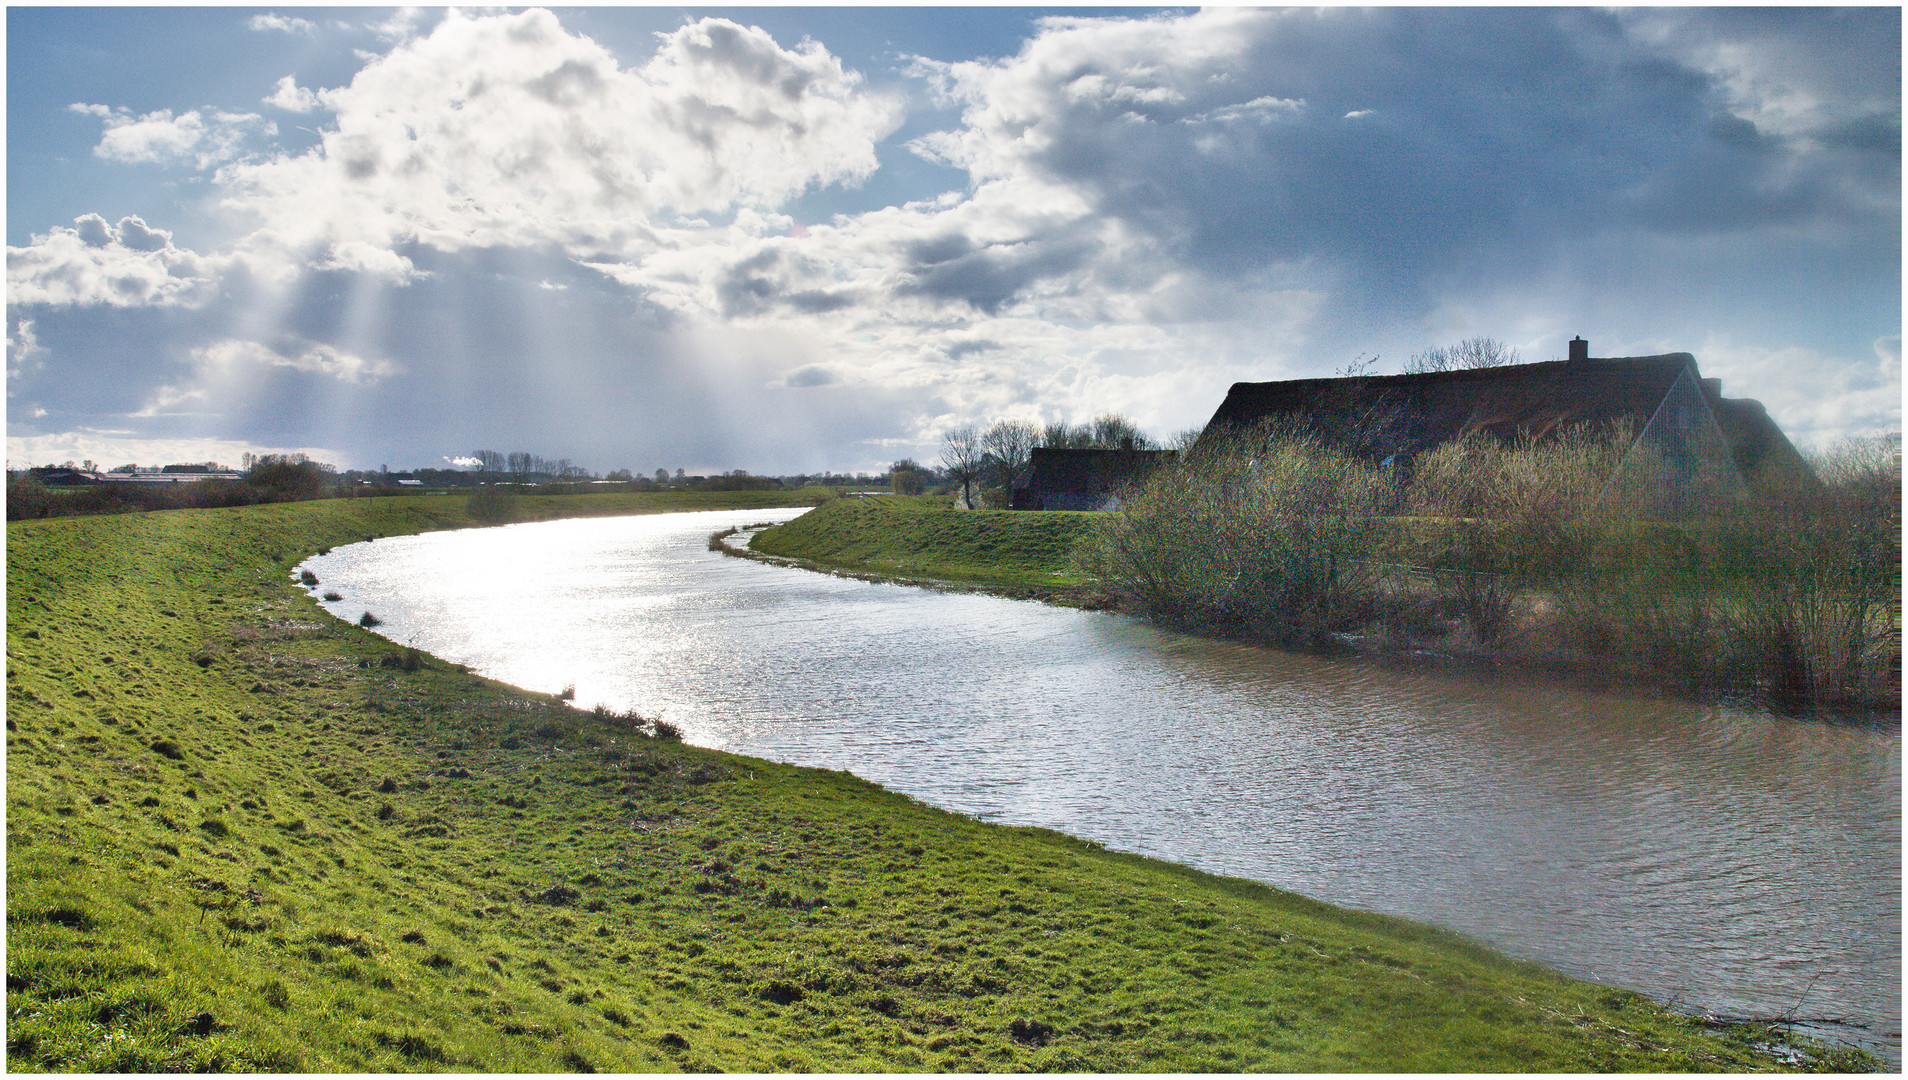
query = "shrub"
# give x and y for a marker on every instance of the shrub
(663, 729)
(1555, 479)
(307, 578)
(1269, 533)
(368, 620)
(491, 504)
(333, 596)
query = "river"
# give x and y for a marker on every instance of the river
(1721, 858)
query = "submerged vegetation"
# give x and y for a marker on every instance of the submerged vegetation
(244, 835)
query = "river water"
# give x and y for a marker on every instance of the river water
(1725, 859)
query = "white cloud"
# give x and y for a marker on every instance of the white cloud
(288, 95)
(1261, 110)
(159, 137)
(1816, 398)
(24, 350)
(508, 130)
(225, 357)
(111, 448)
(165, 401)
(124, 265)
(282, 23)
(400, 26)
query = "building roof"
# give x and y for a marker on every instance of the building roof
(1089, 471)
(1413, 413)
(1402, 416)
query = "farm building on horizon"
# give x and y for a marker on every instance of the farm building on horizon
(1689, 444)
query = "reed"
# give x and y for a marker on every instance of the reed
(1525, 549)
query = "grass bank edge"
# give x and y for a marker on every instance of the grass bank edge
(1472, 591)
(244, 835)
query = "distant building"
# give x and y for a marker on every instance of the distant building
(1687, 439)
(62, 476)
(1084, 479)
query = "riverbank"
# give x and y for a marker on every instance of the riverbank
(244, 835)
(1426, 611)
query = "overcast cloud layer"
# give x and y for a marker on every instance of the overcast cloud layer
(495, 230)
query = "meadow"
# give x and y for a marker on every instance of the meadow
(243, 835)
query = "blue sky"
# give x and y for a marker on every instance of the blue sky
(788, 239)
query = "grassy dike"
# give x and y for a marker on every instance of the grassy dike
(924, 540)
(244, 835)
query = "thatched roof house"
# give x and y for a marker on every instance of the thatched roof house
(1083, 479)
(1684, 430)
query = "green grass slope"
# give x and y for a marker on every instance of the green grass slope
(244, 835)
(925, 538)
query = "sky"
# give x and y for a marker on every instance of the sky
(789, 239)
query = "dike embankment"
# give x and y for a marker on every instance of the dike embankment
(243, 835)
(1434, 615)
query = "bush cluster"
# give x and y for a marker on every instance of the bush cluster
(1516, 547)
(284, 481)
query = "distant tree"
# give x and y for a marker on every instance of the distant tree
(907, 477)
(1183, 441)
(488, 461)
(1107, 432)
(519, 462)
(287, 478)
(1010, 445)
(1478, 352)
(961, 456)
(620, 474)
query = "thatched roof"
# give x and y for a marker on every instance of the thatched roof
(1399, 417)
(1082, 479)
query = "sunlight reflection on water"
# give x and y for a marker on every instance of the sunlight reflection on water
(1730, 859)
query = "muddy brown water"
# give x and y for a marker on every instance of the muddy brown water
(1722, 858)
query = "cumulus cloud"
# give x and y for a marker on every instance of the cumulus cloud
(283, 24)
(159, 137)
(1817, 397)
(1153, 207)
(288, 95)
(129, 264)
(508, 130)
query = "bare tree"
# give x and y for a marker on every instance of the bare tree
(1107, 432)
(1010, 443)
(488, 461)
(962, 456)
(1115, 432)
(1477, 352)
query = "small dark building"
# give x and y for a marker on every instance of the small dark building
(61, 476)
(1686, 434)
(1083, 479)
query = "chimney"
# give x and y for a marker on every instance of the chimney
(1712, 387)
(1579, 349)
